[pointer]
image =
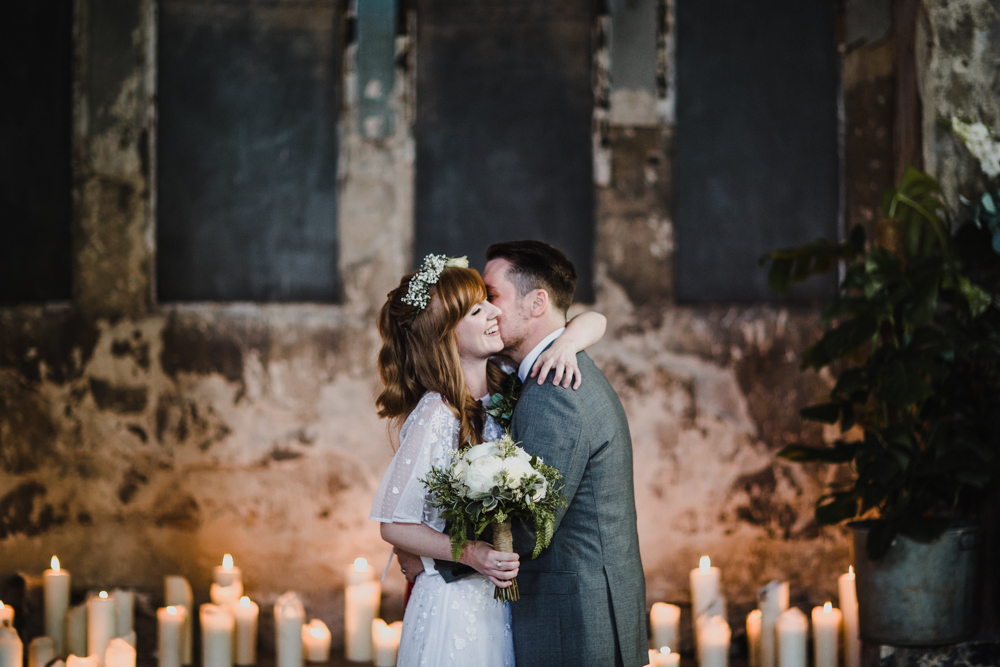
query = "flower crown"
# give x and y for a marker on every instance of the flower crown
(417, 295)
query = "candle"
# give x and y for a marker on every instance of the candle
(753, 638)
(704, 587)
(217, 626)
(170, 635)
(385, 642)
(665, 621)
(55, 583)
(6, 615)
(361, 606)
(126, 611)
(76, 630)
(41, 651)
(316, 641)
(226, 574)
(119, 653)
(102, 623)
(289, 617)
(791, 628)
(11, 648)
(246, 613)
(713, 641)
(849, 607)
(826, 632)
(177, 593)
(772, 600)
(664, 658)
(78, 661)
(226, 595)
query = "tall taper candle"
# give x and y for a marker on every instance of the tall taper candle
(170, 635)
(826, 634)
(289, 617)
(102, 621)
(361, 605)
(246, 613)
(792, 628)
(849, 607)
(714, 636)
(56, 586)
(665, 622)
(41, 651)
(216, 636)
(126, 611)
(11, 648)
(772, 600)
(704, 587)
(178, 593)
(753, 638)
(76, 631)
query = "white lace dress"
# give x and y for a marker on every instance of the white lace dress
(457, 624)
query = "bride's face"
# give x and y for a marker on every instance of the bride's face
(477, 333)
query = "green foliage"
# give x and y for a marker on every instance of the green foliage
(502, 404)
(914, 335)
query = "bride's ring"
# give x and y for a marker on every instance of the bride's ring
(403, 569)
(499, 564)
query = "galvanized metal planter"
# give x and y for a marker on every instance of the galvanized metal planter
(918, 594)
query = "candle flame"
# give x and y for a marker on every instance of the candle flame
(705, 564)
(227, 562)
(828, 608)
(665, 650)
(103, 595)
(55, 563)
(316, 632)
(244, 601)
(850, 571)
(1, 604)
(172, 611)
(360, 564)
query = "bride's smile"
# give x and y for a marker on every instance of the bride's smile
(478, 333)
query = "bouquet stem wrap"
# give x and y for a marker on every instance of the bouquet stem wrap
(504, 541)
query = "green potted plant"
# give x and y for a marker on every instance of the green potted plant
(912, 337)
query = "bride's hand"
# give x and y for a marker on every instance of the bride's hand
(561, 357)
(497, 566)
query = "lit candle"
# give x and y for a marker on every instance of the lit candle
(11, 648)
(704, 587)
(826, 632)
(316, 641)
(170, 635)
(177, 593)
(119, 653)
(246, 613)
(41, 651)
(791, 628)
(216, 636)
(55, 583)
(227, 574)
(289, 617)
(361, 607)
(76, 631)
(102, 623)
(226, 595)
(753, 638)
(713, 641)
(772, 600)
(385, 643)
(664, 658)
(81, 661)
(665, 622)
(849, 607)
(6, 615)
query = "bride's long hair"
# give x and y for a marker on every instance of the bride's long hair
(420, 351)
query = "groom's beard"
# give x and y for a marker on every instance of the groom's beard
(510, 348)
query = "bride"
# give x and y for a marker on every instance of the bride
(439, 332)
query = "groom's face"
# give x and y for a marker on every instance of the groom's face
(504, 295)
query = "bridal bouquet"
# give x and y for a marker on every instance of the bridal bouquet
(488, 484)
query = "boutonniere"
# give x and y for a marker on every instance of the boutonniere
(501, 406)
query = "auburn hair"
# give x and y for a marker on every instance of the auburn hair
(420, 351)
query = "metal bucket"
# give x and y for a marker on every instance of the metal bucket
(918, 594)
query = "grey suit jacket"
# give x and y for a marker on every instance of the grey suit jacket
(583, 600)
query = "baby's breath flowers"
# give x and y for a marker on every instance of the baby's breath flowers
(417, 294)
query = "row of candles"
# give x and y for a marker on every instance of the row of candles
(776, 634)
(99, 633)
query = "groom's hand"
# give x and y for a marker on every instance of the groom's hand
(409, 564)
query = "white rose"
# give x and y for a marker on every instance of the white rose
(521, 454)
(481, 477)
(517, 469)
(460, 262)
(485, 449)
(539, 491)
(460, 470)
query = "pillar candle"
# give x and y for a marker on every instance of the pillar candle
(385, 642)
(177, 593)
(772, 600)
(76, 631)
(704, 587)
(361, 607)
(119, 653)
(713, 641)
(217, 626)
(316, 641)
(126, 611)
(753, 638)
(227, 574)
(665, 622)
(170, 635)
(826, 633)
(78, 661)
(246, 613)
(56, 583)
(11, 648)
(226, 595)
(6, 615)
(849, 608)
(664, 658)
(102, 624)
(289, 617)
(41, 651)
(791, 628)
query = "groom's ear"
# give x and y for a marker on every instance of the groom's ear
(540, 304)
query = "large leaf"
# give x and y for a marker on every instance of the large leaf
(841, 452)
(836, 507)
(794, 265)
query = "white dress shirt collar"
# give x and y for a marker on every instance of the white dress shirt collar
(529, 361)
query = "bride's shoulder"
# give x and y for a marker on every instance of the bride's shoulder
(431, 405)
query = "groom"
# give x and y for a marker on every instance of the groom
(583, 600)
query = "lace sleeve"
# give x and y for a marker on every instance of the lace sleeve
(427, 439)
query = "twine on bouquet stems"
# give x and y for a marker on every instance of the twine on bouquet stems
(503, 541)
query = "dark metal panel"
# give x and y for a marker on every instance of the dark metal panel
(503, 128)
(247, 148)
(376, 55)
